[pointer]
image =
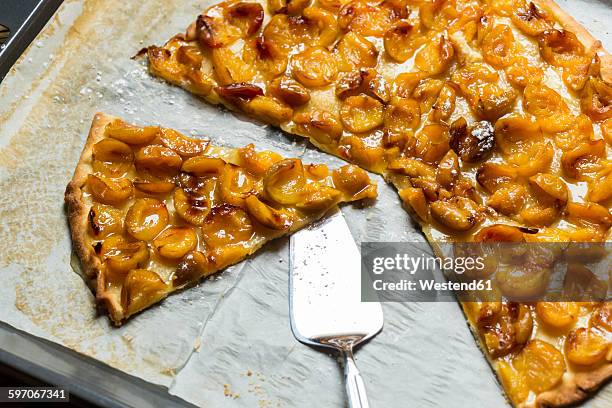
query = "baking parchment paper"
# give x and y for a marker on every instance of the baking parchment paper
(227, 341)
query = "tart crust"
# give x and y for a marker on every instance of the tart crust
(78, 220)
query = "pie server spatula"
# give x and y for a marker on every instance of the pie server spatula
(325, 296)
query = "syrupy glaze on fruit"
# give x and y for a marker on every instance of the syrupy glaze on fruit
(493, 122)
(166, 210)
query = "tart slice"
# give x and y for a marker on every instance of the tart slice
(152, 211)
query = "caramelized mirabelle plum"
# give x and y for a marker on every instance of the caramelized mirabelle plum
(560, 47)
(540, 100)
(550, 188)
(401, 41)
(541, 364)
(184, 146)
(239, 92)
(448, 169)
(354, 182)
(530, 19)
(580, 283)
(370, 19)
(236, 184)
(534, 159)
(325, 23)
(146, 218)
(361, 113)
(577, 161)
(367, 81)
(229, 68)
(456, 213)
(431, 143)
(596, 100)
(487, 96)
(105, 220)
(498, 46)
(289, 91)
(415, 198)
(585, 347)
(268, 109)
(153, 187)
(406, 82)
(513, 131)
(589, 213)
(226, 225)
(142, 288)
(202, 166)
(257, 163)
(474, 143)
(109, 191)
(112, 151)
(509, 199)
(130, 134)
(193, 207)
(521, 72)
(558, 314)
(158, 160)
(193, 266)
(322, 126)
(318, 198)
(112, 157)
(355, 51)
(266, 215)
(122, 255)
(428, 11)
(314, 67)
(402, 116)
(190, 55)
(176, 242)
(284, 181)
(286, 32)
(291, 7)
(269, 59)
(435, 57)
(444, 106)
(493, 175)
(224, 23)
(507, 329)
(499, 233)
(600, 189)
(514, 383)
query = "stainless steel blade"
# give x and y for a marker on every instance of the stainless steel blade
(325, 295)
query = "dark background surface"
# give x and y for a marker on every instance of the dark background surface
(24, 25)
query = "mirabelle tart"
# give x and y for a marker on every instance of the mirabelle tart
(492, 118)
(152, 211)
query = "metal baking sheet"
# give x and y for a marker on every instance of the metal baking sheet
(227, 341)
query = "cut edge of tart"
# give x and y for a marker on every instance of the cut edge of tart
(152, 211)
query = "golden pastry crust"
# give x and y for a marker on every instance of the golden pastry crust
(78, 220)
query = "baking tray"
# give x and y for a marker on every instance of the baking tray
(233, 346)
(24, 20)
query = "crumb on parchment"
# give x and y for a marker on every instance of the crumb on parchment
(228, 393)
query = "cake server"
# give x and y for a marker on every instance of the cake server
(325, 296)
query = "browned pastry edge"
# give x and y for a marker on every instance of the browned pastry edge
(569, 23)
(78, 220)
